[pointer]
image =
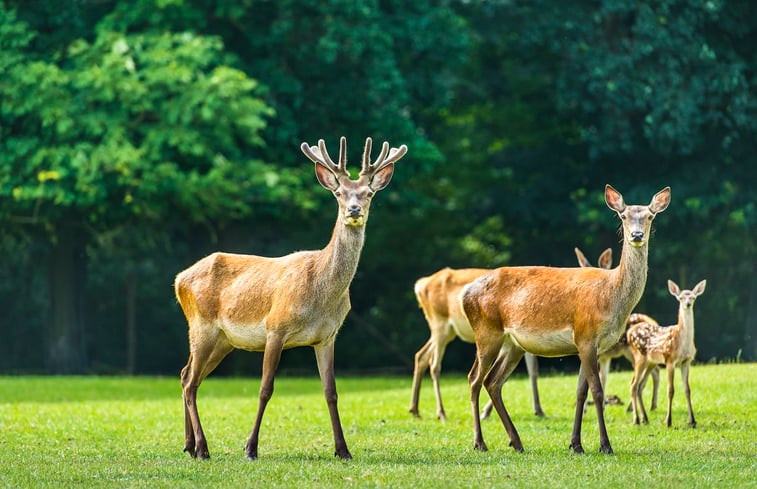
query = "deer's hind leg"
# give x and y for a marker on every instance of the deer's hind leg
(206, 352)
(486, 353)
(437, 354)
(504, 365)
(422, 360)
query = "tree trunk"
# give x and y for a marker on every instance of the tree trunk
(131, 321)
(66, 340)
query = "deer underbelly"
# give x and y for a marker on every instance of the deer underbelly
(249, 337)
(252, 337)
(556, 343)
(462, 329)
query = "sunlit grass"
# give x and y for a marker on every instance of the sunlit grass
(128, 432)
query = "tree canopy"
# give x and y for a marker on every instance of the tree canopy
(136, 137)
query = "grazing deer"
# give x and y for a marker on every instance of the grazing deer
(621, 348)
(438, 297)
(673, 345)
(269, 304)
(551, 312)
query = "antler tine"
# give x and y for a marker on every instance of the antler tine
(319, 155)
(341, 168)
(371, 168)
(367, 156)
(343, 153)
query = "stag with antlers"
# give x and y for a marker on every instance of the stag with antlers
(270, 304)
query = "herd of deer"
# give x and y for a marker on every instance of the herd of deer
(301, 299)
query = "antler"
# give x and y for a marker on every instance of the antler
(386, 157)
(320, 156)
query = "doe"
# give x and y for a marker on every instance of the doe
(552, 312)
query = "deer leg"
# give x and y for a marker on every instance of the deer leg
(532, 366)
(687, 391)
(604, 368)
(640, 391)
(422, 359)
(487, 410)
(589, 362)
(671, 369)
(202, 360)
(324, 355)
(581, 391)
(497, 376)
(655, 386)
(485, 356)
(632, 393)
(271, 358)
(437, 353)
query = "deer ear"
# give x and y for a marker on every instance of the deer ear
(382, 178)
(660, 201)
(699, 289)
(605, 259)
(327, 179)
(582, 261)
(673, 288)
(613, 199)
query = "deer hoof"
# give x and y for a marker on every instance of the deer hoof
(480, 446)
(343, 454)
(607, 450)
(577, 448)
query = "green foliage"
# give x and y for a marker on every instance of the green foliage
(129, 432)
(157, 131)
(132, 127)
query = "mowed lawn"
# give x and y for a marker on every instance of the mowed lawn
(129, 432)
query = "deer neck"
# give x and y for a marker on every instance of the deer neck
(686, 323)
(339, 259)
(631, 275)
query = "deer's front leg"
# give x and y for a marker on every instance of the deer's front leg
(324, 355)
(591, 371)
(271, 358)
(671, 370)
(687, 391)
(581, 390)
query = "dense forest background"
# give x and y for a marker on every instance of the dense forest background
(137, 137)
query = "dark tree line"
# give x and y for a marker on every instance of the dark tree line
(136, 137)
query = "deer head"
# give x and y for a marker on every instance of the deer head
(353, 196)
(637, 219)
(686, 297)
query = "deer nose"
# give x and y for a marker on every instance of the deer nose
(354, 210)
(637, 236)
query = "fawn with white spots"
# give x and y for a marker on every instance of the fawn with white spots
(673, 345)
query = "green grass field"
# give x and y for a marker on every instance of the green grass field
(128, 432)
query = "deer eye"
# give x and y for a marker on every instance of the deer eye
(371, 193)
(623, 216)
(337, 193)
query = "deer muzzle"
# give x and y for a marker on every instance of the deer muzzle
(637, 238)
